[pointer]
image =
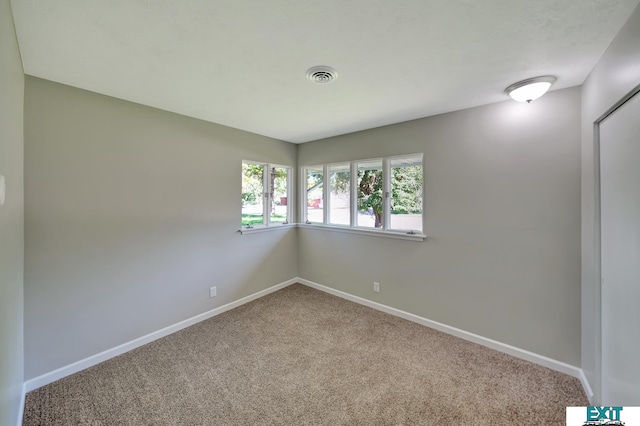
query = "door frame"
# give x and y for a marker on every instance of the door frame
(597, 247)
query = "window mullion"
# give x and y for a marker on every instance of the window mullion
(266, 188)
(303, 195)
(353, 194)
(386, 193)
(289, 195)
(325, 194)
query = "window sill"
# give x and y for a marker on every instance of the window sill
(259, 229)
(359, 231)
(370, 232)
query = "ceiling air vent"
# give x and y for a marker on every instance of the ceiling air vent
(322, 74)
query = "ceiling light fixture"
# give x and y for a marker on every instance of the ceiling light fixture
(322, 74)
(530, 89)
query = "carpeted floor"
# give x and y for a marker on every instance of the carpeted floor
(302, 357)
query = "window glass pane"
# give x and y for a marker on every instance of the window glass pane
(314, 194)
(279, 202)
(252, 194)
(406, 194)
(370, 194)
(340, 190)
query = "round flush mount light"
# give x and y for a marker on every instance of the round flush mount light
(530, 89)
(322, 74)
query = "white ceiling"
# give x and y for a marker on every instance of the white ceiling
(242, 63)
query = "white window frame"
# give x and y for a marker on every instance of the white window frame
(387, 194)
(327, 193)
(268, 198)
(354, 220)
(303, 196)
(385, 230)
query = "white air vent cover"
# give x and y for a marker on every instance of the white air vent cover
(322, 74)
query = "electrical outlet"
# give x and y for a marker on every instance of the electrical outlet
(213, 292)
(376, 287)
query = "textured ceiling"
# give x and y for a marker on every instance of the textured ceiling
(242, 63)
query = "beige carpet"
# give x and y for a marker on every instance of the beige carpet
(302, 357)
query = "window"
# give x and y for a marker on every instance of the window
(379, 194)
(252, 194)
(340, 194)
(370, 202)
(405, 211)
(314, 195)
(279, 208)
(265, 194)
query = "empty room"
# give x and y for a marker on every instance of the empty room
(336, 213)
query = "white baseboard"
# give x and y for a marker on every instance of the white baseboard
(493, 344)
(586, 386)
(21, 406)
(67, 370)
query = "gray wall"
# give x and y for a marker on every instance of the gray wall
(131, 215)
(11, 220)
(502, 215)
(617, 73)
